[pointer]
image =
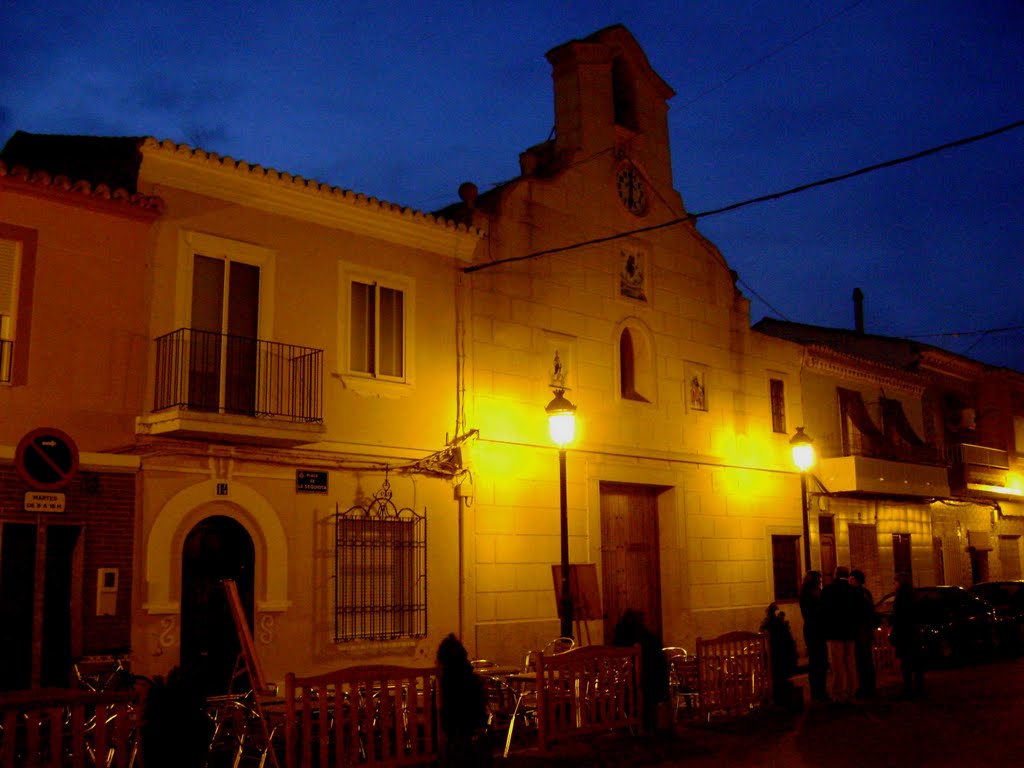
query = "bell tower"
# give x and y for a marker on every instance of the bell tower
(607, 97)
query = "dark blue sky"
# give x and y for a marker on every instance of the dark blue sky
(405, 100)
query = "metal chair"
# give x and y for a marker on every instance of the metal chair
(559, 645)
(683, 679)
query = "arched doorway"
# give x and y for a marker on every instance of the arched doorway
(217, 548)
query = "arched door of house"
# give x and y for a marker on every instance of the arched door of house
(217, 548)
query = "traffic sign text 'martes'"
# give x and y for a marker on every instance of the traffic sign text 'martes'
(46, 458)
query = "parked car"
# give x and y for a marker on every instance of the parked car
(955, 625)
(1007, 598)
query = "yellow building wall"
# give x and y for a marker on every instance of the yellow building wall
(89, 320)
(367, 426)
(727, 480)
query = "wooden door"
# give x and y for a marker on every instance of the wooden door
(630, 565)
(217, 548)
(826, 547)
(40, 585)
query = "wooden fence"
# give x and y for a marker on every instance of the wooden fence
(587, 690)
(57, 728)
(733, 673)
(369, 715)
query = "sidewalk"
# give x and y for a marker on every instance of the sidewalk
(695, 741)
(970, 716)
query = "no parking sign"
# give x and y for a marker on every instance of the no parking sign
(46, 459)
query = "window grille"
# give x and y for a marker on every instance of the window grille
(380, 571)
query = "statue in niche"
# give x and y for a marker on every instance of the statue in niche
(632, 280)
(697, 396)
(558, 373)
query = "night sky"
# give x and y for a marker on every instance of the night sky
(404, 101)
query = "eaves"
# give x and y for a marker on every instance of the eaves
(173, 165)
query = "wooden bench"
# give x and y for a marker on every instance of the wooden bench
(55, 728)
(374, 715)
(587, 690)
(733, 673)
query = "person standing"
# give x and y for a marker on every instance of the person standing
(463, 715)
(839, 607)
(905, 637)
(864, 643)
(814, 636)
(654, 687)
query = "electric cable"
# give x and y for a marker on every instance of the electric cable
(691, 217)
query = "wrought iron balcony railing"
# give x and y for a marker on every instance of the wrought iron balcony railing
(978, 455)
(887, 451)
(221, 373)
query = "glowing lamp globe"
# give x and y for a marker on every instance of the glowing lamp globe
(803, 450)
(561, 419)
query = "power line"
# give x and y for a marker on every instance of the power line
(761, 298)
(770, 54)
(752, 201)
(958, 334)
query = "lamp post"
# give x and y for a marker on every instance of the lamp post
(803, 456)
(562, 425)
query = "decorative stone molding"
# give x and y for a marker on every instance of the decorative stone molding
(858, 369)
(253, 512)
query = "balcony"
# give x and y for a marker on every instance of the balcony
(884, 468)
(217, 386)
(979, 470)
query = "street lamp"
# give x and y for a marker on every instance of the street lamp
(803, 456)
(562, 425)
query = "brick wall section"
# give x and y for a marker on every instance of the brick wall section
(104, 505)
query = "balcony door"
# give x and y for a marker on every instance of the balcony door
(224, 322)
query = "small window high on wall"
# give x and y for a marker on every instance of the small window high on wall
(777, 389)
(624, 96)
(628, 368)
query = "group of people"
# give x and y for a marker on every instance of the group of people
(839, 629)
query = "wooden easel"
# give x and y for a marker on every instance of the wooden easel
(248, 663)
(586, 598)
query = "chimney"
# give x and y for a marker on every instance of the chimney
(858, 310)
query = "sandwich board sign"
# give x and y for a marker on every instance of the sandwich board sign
(46, 458)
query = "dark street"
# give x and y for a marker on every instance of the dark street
(971, 717)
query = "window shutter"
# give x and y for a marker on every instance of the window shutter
(8, 263)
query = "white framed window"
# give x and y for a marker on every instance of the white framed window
(10, 264)
(376, 324)
(17, 270)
